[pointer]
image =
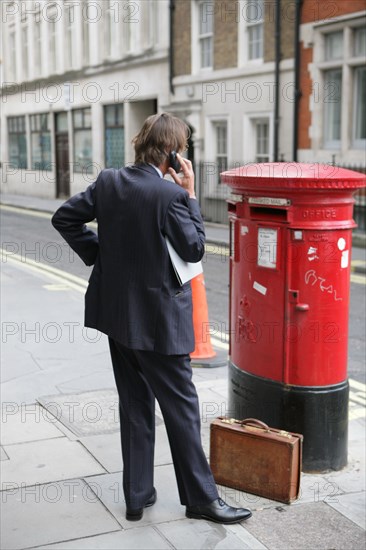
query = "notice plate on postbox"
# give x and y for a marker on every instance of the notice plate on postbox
(267, 247)
(269, 201)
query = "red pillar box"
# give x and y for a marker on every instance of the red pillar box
(290, 255)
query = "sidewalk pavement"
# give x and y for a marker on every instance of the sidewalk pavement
(60, 450)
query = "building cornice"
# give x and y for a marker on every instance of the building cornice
(127, 63)
(237, 72)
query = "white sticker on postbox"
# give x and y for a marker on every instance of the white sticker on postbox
(267, 247)
(260, 288)
(345, 259)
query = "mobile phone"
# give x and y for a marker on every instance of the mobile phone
(173, 162)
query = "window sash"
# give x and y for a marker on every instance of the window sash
(86, 34)
(83, 150)
(113, 116)
(333, 47)
(83, 154)
(332, 107)
(206, 19)
(69, 23)
(17, 142)
(12, 55)
(359, 115)
(25, 50)
(255, 41)
(359, 42)
(206, 52)
(254, 12)
(52, 45)
(262, 141)
(221, 148)
(205, 35)
(37, 47)
(81, 118)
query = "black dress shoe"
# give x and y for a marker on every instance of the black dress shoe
(219, 512)
(137, 513)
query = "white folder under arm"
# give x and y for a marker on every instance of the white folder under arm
(185, 271)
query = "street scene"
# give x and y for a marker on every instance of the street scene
(272, 94)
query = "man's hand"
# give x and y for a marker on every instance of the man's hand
(185, 178)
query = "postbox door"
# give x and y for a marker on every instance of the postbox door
(316, 331)
(258, 297)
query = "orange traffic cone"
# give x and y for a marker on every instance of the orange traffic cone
(203, 348)
(203, 355)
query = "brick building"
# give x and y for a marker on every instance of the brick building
(235, 81)
(332, 113)
(224, 62)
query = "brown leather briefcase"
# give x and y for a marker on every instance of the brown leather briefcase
(249, 456)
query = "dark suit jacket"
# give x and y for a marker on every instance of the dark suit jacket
(133, 294)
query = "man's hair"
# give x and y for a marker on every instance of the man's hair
(159, 135)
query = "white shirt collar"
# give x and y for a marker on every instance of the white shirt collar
(157, 169)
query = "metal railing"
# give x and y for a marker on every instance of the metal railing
(212, 195)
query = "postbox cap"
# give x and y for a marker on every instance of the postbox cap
(292, 175)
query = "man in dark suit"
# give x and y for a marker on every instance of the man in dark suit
(134, 297)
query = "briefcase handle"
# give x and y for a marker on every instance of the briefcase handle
(247, 422)
(255, 422)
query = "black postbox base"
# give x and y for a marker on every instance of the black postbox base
(319, 413)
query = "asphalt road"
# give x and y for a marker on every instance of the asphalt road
(30, 235)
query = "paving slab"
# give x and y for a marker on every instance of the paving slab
(108, 487)
(23, 423)
(106, 449)
(204, 535)
(86, 413)
(309, 526)
(352, 478)
(239, 529)
(45, 461)
(353, 506)
(92, 381)
(16, 362)
(3, 455)
(49, 513)
(357, 429)
(141, 538)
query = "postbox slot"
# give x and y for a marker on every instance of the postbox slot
(264, 213)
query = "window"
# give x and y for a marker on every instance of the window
(82, 140)
(359, 113)
(221, 147)
(40, 142)
(148, 16)
(12, 66)
(17, 142)
(334, 46)
(206, 23)
(85, 30)
(69, 35)
(359, 42)
(114, 136)
(25, 50)
(255, 16)
(111, 19)
(261, 141)
(37, 46)
(52, 16)
(332, 108)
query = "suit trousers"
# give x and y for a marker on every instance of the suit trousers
(142, 376)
